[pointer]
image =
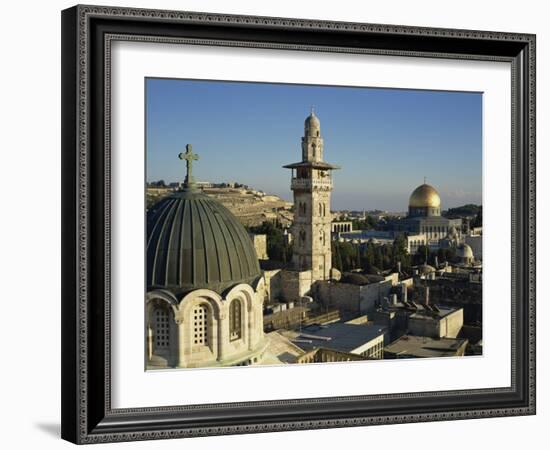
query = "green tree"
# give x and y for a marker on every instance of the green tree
(400, 253)
(345, 256)
(422, 255)
(277, 247)
(336, 257)
(478, 220)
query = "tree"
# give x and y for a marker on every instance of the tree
(422, 255)
(478, 220)
(368, 223)
(277, 248)
(336, 257)
(400, 253)
(345, 256)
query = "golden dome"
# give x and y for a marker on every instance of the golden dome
(424, 196)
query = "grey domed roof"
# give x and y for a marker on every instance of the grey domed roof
(464, 251)
(194, 242)
(312, 122)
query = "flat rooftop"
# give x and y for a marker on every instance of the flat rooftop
(338, 336)
(425, 347)
(423, 313)
(280, 350)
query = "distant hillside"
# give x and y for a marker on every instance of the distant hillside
(250, 206)
(463, 211)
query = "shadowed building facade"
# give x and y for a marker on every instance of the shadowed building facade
(204, 284)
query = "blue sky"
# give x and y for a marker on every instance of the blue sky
(384, 140)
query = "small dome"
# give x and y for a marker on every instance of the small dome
(424, 196)
(194, 242)
(312, 124)
(425, 269)
(335, 274)
(464, 251)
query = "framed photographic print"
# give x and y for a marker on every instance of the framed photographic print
(282, 224)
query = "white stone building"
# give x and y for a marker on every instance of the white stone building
(205, 289)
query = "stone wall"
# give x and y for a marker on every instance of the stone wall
(436, 327)
(287, 319)
(320, 355)
(206, 311)
(272, 286)
(452, 324)
(259, 241)
(352, 298)
(375, 292)
(295, 284)
(344, 296)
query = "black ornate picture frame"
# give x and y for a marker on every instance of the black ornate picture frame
(87, 34)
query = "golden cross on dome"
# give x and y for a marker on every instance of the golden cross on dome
(189, 157)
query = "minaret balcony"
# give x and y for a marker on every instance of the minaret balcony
(307, 184)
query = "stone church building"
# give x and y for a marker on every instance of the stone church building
(204, 300)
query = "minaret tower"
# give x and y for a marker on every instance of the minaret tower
(312, 184)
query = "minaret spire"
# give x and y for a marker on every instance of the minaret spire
(311, 184)
(189, 157)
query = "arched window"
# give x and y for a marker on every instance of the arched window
(200, 326)
(235, 328)
(313, 150)
(320, 209)
(161, 325)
